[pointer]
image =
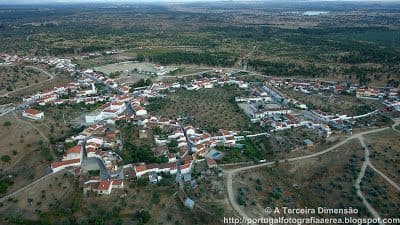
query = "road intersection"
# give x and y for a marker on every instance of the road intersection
(230, 173)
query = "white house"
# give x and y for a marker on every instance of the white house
(57, 166)
(75, 152)
(140, 111)
(33, 114)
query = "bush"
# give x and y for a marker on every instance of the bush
(7, 124)
(6, 158)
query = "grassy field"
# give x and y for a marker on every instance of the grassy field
(280, 145)
(59, 79)
(42, 197)
(209, 109)
(27, 147)
(22, 151)
(331, 102)
(135, 204)
(15, 77)
(385, 153)
(326, 180)
(380, 194)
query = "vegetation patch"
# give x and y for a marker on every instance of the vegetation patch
(208, 109)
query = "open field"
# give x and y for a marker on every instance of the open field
(282, 144)
(18, 76)
(381, 195)
(324, 181)
(59, 79)
(22, 151)
(385, 153)
(331, 102)
(41, 197)
(151, 203)
(208, 109)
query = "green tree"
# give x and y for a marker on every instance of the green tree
(7, 124)
(6, 158)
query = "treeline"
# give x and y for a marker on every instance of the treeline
(133, 153)
(203, 58)
(358, 52)
(74, 50)
(288, 69)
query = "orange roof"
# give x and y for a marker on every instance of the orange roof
(224, 132)
(109, 111)
(211, 161)
(63, 163)
(33, 111)
(187, 158)
(90, 149)
(104, 185)
(185, 166)
(116, 182)
(140, 168)
(76, 149)
(205, 136)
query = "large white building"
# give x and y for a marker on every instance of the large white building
(33, 114)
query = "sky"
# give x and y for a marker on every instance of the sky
(142, 1)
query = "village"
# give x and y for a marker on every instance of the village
(94, 155)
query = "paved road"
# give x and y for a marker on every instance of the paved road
(230, 173)
(34, 85)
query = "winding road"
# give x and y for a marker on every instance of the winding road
(231, 172)
(361, 175)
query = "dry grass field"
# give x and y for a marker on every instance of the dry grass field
(59, 79)
(61, 202)
(18, 76)
(327, 180)
(385, 153)
(381, 195)
(330, 102)
(41, 197)
(209, 109)
(22, 144)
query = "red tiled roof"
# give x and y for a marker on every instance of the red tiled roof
(33, 111)
(116, 182)
(104, 185)
(140, 168)
(76, 149)
(185, 166)
(63, 163)
(211, 161)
